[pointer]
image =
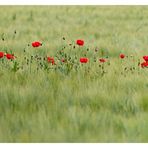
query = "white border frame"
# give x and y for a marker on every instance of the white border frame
(73, 2)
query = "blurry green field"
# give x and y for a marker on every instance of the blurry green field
(78, 107)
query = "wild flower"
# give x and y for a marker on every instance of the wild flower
(36, 44)
(122, 56)
(1, 54)
(80, 42)
(10, 56)
(102, 60)
(51, 60)
(144, 64)
(145, 58)
(84, 60)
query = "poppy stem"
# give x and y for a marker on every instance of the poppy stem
(30, 65)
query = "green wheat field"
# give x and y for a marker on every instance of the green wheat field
(73, 101)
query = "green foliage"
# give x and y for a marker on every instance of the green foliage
(41, 102)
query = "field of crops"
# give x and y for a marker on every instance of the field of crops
(73, 73)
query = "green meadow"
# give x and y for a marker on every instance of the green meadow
(73, 101)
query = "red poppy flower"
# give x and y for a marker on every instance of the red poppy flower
(84, 60)
(80, 42)
(1, 54)
(51, 60)
(102, 60)
(36, 44)
(10, 56)
(145, 58)
(122, 56)
(63, 60)
(144, 64)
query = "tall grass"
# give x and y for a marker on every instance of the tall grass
(41, 106)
